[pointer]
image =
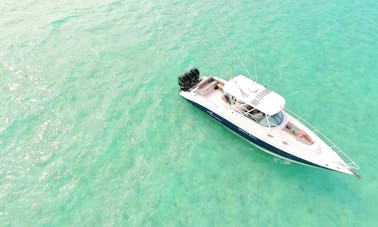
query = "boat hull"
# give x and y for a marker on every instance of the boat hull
(255, 141)
(212, 95)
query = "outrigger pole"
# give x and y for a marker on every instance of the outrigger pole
(232, 48)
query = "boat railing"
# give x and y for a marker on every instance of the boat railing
(327, 140)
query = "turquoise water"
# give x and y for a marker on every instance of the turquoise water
(94, 133)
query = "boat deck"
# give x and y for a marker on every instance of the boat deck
(211, 90)
(297, 138)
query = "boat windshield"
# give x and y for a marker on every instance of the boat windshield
(272, 121)
(258, 116)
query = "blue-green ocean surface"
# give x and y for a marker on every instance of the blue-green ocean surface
(93, 131)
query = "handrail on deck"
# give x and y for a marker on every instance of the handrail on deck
(327, 140)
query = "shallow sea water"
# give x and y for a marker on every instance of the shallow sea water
(94, 133)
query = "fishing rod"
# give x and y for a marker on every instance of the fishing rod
(231, 47)
(254, 62)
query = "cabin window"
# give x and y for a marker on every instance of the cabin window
(274, 120)
(253, 114)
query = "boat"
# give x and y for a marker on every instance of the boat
(259, 115)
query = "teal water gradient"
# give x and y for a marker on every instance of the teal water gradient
(94, 133)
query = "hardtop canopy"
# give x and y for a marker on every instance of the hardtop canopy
(255, 94)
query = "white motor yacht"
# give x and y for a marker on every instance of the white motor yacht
(258, 115)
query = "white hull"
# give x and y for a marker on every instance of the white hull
(277, 141)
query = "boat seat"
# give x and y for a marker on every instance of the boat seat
(204, 88)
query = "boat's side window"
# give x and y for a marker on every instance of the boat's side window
(254, 114)
(274, 120)
(264, 122)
